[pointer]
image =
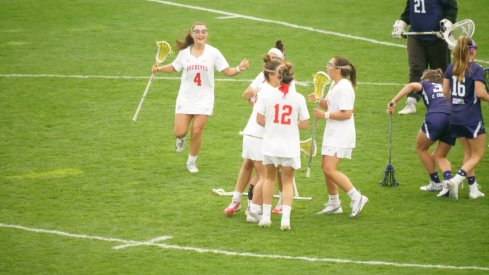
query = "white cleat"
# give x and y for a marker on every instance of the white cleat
(285, 225)
(444, 190)
(453, 189)
(265, 223)
(409, 109)
(252, 217)
(331, 208)
(357, 206)
(179, 145)
(192, 167)
(474, 192)
(432, 187)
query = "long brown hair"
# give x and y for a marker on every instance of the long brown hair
(461, 57)
(435, 76)
(188, 40)
(348, 71)
(271, 66)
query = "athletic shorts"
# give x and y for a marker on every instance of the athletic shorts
(341, 153)
(252, 148)
(193, 109)
(471, 130)
(436, 126)
(276, 161)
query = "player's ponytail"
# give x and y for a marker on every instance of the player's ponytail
(348, 70)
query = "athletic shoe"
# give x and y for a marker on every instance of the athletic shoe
(432, 187)
(265, 222)
(409, 109)
(179, 145)
(277, 210)
(474, 192)
(453, 184)
(192, 167)
(252, 217)
(357, 206)
(331, 208)
(444, 191)
(285, 225)
(233, 207)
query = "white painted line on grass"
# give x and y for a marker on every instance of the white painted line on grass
(153, 242)
(299, 83)
(290, 25)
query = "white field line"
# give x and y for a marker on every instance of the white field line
(230, 15)
(299, 83)
(153, 242)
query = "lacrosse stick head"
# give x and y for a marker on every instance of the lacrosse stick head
(308, 147)
(321, 79)
(486, 73)
(164, 50)
(464, 27)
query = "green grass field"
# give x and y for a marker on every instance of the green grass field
(78, 178)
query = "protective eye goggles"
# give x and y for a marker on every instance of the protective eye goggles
(204, 32)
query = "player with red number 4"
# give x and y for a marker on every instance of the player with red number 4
(197, 61)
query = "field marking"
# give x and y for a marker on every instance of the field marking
(154, 242)
(231, 15)
(299, 83)
(58, 173)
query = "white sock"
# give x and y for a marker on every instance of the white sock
(191, 158)
(333, 199)
(267, 209)
(286, 212)
(354, 194)
(237, 196)
(411, 101)
(255, 208)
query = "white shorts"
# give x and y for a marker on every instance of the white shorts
(341, 153)
(276, 161)
(252, 148)
(193, 109)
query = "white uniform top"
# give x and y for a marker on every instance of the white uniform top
(252, 128)
(196, 94)
(340, 133)
(281, 137)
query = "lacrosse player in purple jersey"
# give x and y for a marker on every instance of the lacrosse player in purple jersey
(252, 151)
(436, 126)
(195, 101)
(425, 51)
(464, 86)
(339, 135)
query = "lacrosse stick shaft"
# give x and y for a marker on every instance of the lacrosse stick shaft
(135, 117)
(390, 138)
(420, 33)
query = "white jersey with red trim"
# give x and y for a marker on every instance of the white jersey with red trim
(196, 94)
(340, 133)
(281, 137)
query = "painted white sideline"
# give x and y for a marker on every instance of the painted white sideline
(153, 242)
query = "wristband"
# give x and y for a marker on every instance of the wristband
(238, 69)
(326, 115)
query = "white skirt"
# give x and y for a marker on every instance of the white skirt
(276, 161)
(341, 153)
(252, 148)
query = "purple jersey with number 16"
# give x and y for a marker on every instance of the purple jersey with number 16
(466, 106)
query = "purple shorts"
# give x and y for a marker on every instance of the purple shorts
(436, 126)
(471, 130)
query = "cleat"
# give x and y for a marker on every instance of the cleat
(444, 191)
(277, 210)
(285, 225)
(409, 109)
(265, 223)
(432, 187)
(331, 208)
(252, 217)
(453, 187)
(474, 192)
(357, 206)
(179, 145)
(232, 208)
(192, 167)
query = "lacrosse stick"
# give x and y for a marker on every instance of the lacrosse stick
(321, 79)
(164, 49)
(486, 72)
(464, 27)
(389, 178)
(308, 147)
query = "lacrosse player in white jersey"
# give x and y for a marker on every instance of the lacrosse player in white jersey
(339, 135)
(195, 101)
(252, 149)
(282, 111)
